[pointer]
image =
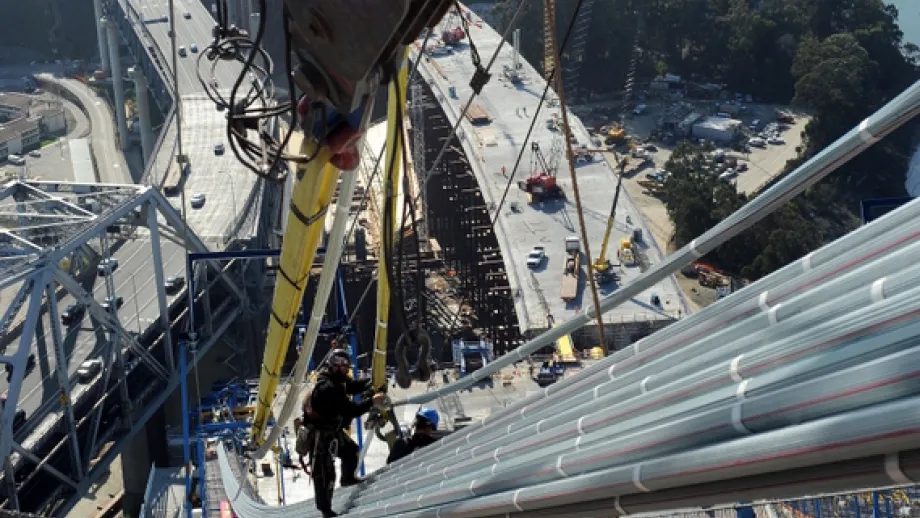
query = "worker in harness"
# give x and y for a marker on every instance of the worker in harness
(328, 412)
(426, 422)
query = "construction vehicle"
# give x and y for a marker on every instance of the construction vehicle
(453, 36)
(471, 355)
(572, 271)
(541, 184)
(654, 188)
(603, 269)
(627, 257)
(615, 135)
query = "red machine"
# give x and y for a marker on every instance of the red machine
(453, 36)
(541, 184)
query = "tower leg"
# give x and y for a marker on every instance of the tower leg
(143, 109)
(117, 83)
(100, 37)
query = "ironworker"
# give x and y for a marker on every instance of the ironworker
(328, 412)
(426, 422)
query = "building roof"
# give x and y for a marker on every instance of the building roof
(21, 101)
(718, 123)
(17, 127)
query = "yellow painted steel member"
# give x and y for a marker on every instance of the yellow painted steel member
(394, 165)
(314, 186)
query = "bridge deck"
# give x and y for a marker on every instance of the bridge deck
(492, 146)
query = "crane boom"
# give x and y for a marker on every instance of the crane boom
(602, 268)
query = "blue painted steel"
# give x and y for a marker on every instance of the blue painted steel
(887, 505)
(856, 505)
(202, 488)
(183, 387)
(874, 209)
(744, 511)
(875, 506)
(817, 508)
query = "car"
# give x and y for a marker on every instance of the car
(219, 148)
(30, 366)
(115, 301)
(72, 314)
(198, 200)
(536, 257)
(182, 51)
(16, 160)
(89, 370)
(35, 153)
(187, 15)
(776, 141)
(193, 47)
(19, 419)
(107, 266)
(174, 284)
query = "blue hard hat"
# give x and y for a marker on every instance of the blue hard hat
(428, 414)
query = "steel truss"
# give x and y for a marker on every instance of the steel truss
(54, 236)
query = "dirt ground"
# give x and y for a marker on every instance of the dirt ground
(764, 165)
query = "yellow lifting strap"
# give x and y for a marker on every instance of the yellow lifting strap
(393, 163)
(314, 186)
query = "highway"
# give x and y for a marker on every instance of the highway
(197, 30)
(110, 162)
(133, 280)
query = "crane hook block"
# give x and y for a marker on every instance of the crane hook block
(421, 370)
(346, 49)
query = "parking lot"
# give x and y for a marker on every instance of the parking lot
(53, 164)
(763, 165)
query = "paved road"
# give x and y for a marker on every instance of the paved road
(109, 159)
(196, 29)
(133, 280)
(80, 127)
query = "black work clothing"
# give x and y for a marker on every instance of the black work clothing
(330, 445)
(404, 447)
(331, 406)
(331, 413)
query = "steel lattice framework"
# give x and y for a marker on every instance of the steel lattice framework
(81, 266)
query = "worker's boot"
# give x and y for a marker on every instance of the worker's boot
(351, 480)
(329, 514)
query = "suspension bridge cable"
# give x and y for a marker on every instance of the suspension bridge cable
(894, 114)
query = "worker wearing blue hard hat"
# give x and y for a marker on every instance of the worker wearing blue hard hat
(426, 422)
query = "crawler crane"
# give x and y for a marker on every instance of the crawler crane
(603, 269)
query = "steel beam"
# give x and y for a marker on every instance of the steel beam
(101, 467)
(24, 242)
(40, 464)
(175, 220)
(15, 305)
(19, 368)
(114, 336)
(107, 369)
(154, 227)
(106, 320)
(60, 369)
(38, 193)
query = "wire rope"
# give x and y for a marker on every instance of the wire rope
(576, 192)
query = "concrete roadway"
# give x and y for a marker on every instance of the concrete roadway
(133, 280)
(197, 30)
(110, 162)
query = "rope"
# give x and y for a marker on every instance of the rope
(560, 91)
